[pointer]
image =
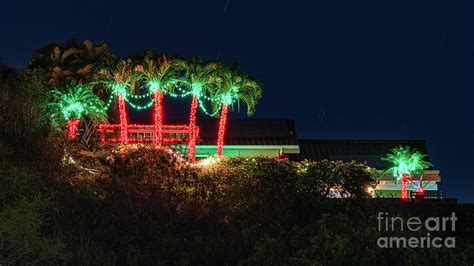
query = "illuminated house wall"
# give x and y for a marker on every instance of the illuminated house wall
(204, 151)
(389, 187)
(249, 138)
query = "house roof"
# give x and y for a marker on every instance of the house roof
(368, 151)
(252, 131)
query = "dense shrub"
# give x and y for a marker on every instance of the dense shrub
(24, 211)
(22, 123)
(143, 206)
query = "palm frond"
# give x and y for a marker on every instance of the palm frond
(121, 78)
(405, 160)
(198, 77)
(235, 86)
(77, 102)
(159, 73)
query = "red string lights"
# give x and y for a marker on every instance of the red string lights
(405, 178)
(222, 125)
(210, 84)
(172, 134)
(123, 120)
(72, 126)
(405, 162)
(192, 130)
(158, 119)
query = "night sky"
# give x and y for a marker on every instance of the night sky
(342, 69)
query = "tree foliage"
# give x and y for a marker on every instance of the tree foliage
(76, 102)
(405, 160)
(22, 121)
(159, 72)
(120, 78)
(23, 218)
(235, 86)
(198, 77)
(73, 61)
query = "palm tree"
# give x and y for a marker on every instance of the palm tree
(199, 78)
(234, 86)
(71, 61)
(71, 106)
(159, 75)
(57, 64)
(405, 162)
(120, 80)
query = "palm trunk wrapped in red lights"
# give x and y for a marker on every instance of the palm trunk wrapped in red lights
(72, 127)
(192, 130)
(123, 120)
(158, 119)
(222, 125)
(405, 162)
(405, 179)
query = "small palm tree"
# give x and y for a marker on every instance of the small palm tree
(73, 105)
(159, 75)
(200, 79)
(405, 162)
(234, 86)
(121, 80)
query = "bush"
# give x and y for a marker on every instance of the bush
(23, 219)
(145, 206)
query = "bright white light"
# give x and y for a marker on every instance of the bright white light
(370, 190)
(208, 161)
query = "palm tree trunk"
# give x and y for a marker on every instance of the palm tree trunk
(405, 179)
(89, 129)
(72, 128)
(192, 130)
(222, 124)
(123, 120)
(158, 119)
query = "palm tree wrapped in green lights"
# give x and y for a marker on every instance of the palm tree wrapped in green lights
(234, 86)
(199, 78)
(405, 162)
(73, 105)
(159, 75)
(120, 80)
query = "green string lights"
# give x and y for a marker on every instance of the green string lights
(204, 109)
(212, 87)
(109, 102)
(74, 108)
(140, 107)
(180, 93)
(197, 81)
(405, 160)
(77, 102)
(153, 85)
(139, 97)
(119, 88)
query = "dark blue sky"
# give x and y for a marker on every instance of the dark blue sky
(342, 69)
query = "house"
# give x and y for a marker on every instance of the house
(249, 137)
(276, 137)
(370, 152)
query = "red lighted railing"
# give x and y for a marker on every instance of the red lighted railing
(172, 134)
